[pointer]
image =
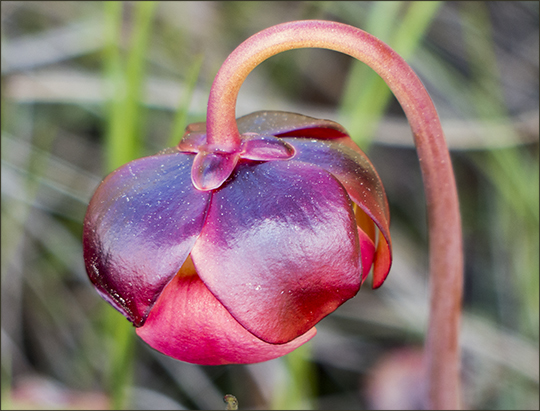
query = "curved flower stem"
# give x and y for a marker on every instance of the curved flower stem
(446, 255)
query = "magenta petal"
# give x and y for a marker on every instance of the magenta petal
(368, 253)
(353, 169)
(289, 125)
(140, 227)
(188, 323)
(280, 248)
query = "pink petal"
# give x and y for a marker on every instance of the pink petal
(280, 248)
(188, 323)
(368, 252)
(289, 125)
(382, 263)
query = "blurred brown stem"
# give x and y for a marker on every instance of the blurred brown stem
(446, 254)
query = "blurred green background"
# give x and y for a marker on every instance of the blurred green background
(88, 86)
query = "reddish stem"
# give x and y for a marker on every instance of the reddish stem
(446, 255)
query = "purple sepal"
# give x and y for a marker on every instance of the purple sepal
(279, 248)
(140, 227)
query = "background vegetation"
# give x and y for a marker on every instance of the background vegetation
(88, 86)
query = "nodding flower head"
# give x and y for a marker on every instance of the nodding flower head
(231, 253)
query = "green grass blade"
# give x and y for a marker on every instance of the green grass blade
(380, 21)
(125, 82)
(120, 333)
(513, 171)
(123, 141)
(298, 390)
(180, 120)
(114, 83)
(366, 94)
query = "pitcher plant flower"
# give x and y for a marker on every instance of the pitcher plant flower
(233, 245)
(179, 242)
